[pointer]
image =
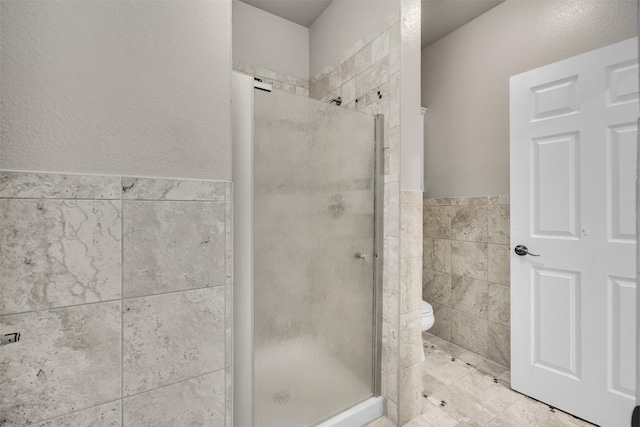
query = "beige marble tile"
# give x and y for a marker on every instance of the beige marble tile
(437, 255)
(198, 401)
(499, 264)
(394, 48)
(66, 360)
(411, 284)
(469, 331)
(437, 222)
(430, 384)
(170, 337)
(438, 418)
(474, 200)
(492, 368)
(445, 345)
(411, 197)
(348, 69)
(381, 422)
(463, 401)
(502, 199)
(499, 224)
(389, 367)
(390, 332)
(228, 397)
(443, 367)
(505, 378)
(172, 189)
(499, 343)
(392, 411)
(503, 393)
(499, 309)
(29, 185)
(380, 72)
(438, 201)
(363, 59)
(411, 231)
(380, 47)
(349, 91)
(410, 339)
(228, 300)
(391, 273)
(443, 323)
(335, 80)
(409, 393)
(229, 243)
(394, 95)
(527, 412)
(469, 223)
(56, 253)
(436, 287)
(469, 295)
(469, 259)
(474, 359)
(107, 415)
(170, 246)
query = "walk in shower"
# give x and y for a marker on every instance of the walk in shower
(308, 205)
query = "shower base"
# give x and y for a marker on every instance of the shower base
(298, 384)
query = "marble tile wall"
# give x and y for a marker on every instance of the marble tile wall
(278, 80)
(121, 289)
(410, 345)
(466, 272)
(367, 77)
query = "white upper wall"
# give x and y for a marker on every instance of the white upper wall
(341, 25)
(116, 87)
(265, 40)
(410, 119)
(465, 82)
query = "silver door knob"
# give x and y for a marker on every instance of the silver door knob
(363, 257)
(522, 250)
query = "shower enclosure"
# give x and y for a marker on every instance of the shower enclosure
(306, 264)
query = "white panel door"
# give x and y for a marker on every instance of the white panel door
(573, 170)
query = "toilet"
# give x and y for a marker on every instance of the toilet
(427, 320)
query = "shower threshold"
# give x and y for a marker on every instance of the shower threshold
(358, 415)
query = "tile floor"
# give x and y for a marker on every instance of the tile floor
(462, 388)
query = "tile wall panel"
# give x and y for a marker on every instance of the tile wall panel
(90, 354)
(466, 272)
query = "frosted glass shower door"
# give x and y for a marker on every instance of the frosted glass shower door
(313, 296)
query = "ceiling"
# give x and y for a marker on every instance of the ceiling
(303, 12)
(439, 17)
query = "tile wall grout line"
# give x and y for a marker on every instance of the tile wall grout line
(73, 412)
(122, 298)
(175, 382)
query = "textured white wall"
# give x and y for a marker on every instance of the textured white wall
(410, 119)
(265, 40)
(116, 87)
(341, 25)
(465, 82)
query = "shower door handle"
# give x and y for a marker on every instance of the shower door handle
(363, 257)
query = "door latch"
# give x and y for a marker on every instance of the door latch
(9, 338)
